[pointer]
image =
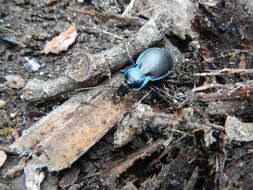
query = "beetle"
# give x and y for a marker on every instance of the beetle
(153, 64)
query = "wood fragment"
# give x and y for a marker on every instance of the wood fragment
(227, 92)
(237, 130)
(118, 167)
(129, 8)
(135, 121)
(69, 131)
(224, 72)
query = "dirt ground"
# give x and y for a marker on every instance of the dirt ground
(200, 154)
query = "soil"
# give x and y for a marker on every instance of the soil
(187, 163)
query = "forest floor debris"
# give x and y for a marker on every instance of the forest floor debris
(202, 117)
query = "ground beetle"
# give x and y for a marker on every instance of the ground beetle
(152, 65)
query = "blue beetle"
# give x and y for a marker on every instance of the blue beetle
(151, 65)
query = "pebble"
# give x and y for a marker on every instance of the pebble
(15, 81)
(12, 115)
(3, 158)
(2, 103)
(31, 64)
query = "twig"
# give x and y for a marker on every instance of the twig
(129, 8)
(227, 92)
(108, 16)
(224, 72)
(146, 10)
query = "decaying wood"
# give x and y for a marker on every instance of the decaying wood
(66, 133)
(227, 92)
(91, 69)
(119, 166)
(136, 120)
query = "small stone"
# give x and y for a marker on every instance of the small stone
(15, 81)
(12, 115)
(31, 64)
(3, 158)
(2, 103)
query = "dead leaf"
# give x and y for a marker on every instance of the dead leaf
(61, 42)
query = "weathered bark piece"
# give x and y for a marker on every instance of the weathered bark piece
(91, 69)
(132, 122)
(39, 90)
(237, 130)
(66, 133)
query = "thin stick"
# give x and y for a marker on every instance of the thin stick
(129, 8)
(224, 72)
(106, 15)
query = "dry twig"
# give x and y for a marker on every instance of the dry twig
(225, 72)
(109, 16)
(227, 92)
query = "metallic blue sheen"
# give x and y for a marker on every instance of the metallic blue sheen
(152, 65)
